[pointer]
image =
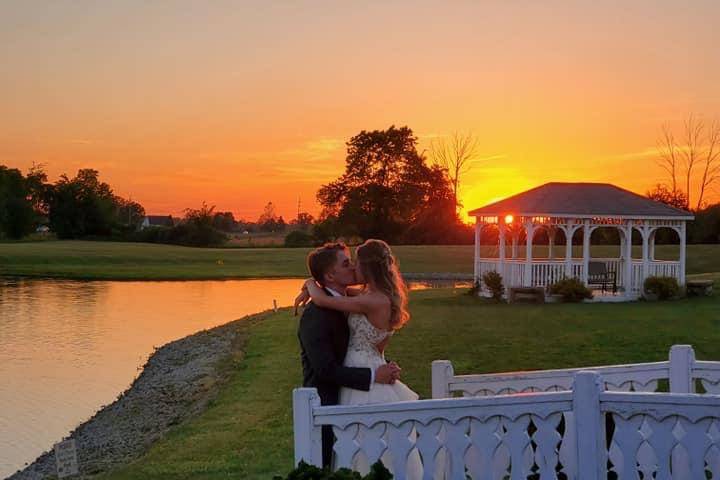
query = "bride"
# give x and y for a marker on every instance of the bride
(376, 311)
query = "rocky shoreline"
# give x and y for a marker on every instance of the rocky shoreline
(176, 383)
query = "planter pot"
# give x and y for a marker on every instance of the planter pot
(553, 298)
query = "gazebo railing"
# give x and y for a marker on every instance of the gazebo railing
(545, 271)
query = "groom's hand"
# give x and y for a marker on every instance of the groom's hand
(387, 373)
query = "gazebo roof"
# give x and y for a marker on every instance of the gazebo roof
(558, 199)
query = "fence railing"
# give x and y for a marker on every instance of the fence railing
(545, 272)
(681, 371)
(625, 435)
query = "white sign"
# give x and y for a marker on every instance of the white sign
(66, 458)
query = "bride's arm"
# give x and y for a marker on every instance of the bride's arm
(381, 346)
(358, 304)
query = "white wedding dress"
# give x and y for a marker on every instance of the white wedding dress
(361, 352)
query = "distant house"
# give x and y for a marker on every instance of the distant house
(157, 221)
(42, 230)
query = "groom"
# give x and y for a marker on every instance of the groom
(324, 336)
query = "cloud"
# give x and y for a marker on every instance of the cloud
(645, 153)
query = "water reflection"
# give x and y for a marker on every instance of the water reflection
(69, 347)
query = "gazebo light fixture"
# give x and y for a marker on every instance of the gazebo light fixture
(509, 219)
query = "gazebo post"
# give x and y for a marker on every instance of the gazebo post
(652, 245)
(627, 255)
(527, 277)
(645, 231)
(514, 253)
(586, 251)
(551, 241)
(501, 248)
(569, 230)
(683, 240)
(478, 228)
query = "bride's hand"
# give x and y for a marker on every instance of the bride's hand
(302, 299)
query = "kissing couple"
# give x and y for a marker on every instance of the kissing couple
(354, 308)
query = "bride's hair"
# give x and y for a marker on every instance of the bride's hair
(379, 266)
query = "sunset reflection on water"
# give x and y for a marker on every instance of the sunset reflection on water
(68, 347)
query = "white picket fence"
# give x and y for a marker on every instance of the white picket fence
(682, 371)
(623, 435)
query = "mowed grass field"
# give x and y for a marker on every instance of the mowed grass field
(247, 431)
(140, 261)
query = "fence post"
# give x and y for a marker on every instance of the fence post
(442, 372)
(589, 426)
(308, 436)
(682, 360)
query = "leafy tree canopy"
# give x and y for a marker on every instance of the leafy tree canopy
(386, 188)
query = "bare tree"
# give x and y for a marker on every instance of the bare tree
(669, 156)
(692, 148)
(693, 161)
(710, 161)
(455, 153)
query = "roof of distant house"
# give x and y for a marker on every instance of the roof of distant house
(160, 220)
(581, 200)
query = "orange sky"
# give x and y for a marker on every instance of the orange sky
(239, 104)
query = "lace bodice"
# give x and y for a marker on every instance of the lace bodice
(364, 335)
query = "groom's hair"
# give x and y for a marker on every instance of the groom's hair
(321, 259)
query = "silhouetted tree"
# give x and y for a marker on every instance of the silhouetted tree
(455, 154)
(269, 221)
(197, 229)
(694, 159)
(224, 221)
(663, 194)
(129, 213)
(385, 188)
(17, 216)
(303, 221)
(82, 206)
(706, 226)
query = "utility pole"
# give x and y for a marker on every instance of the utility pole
(298, 212)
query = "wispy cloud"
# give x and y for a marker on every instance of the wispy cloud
(644, 153)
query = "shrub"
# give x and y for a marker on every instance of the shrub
(663, 287)
(494, 282)
(311, 472)
(571, 289)
(298, 238)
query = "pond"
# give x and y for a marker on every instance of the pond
(67, 347)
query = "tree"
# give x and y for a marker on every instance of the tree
(455, 154)
(197, 229)
(82, 206)
(303, 221)
(224, 221)
(269, 221)
(129, 213)
(694, 161)
(17, 216)
(386, 186)
(663, 194)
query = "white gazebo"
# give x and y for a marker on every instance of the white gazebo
(567, 208)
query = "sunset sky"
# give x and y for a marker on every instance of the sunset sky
(241, 103)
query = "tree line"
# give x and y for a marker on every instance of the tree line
(387, 190)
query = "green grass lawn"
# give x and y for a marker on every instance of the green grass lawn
(138, 261)
(247, 431)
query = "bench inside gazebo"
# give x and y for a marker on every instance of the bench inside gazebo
(567, 208)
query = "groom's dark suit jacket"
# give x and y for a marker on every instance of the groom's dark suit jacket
(324, 335)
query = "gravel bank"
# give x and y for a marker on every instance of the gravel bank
(176, 383)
